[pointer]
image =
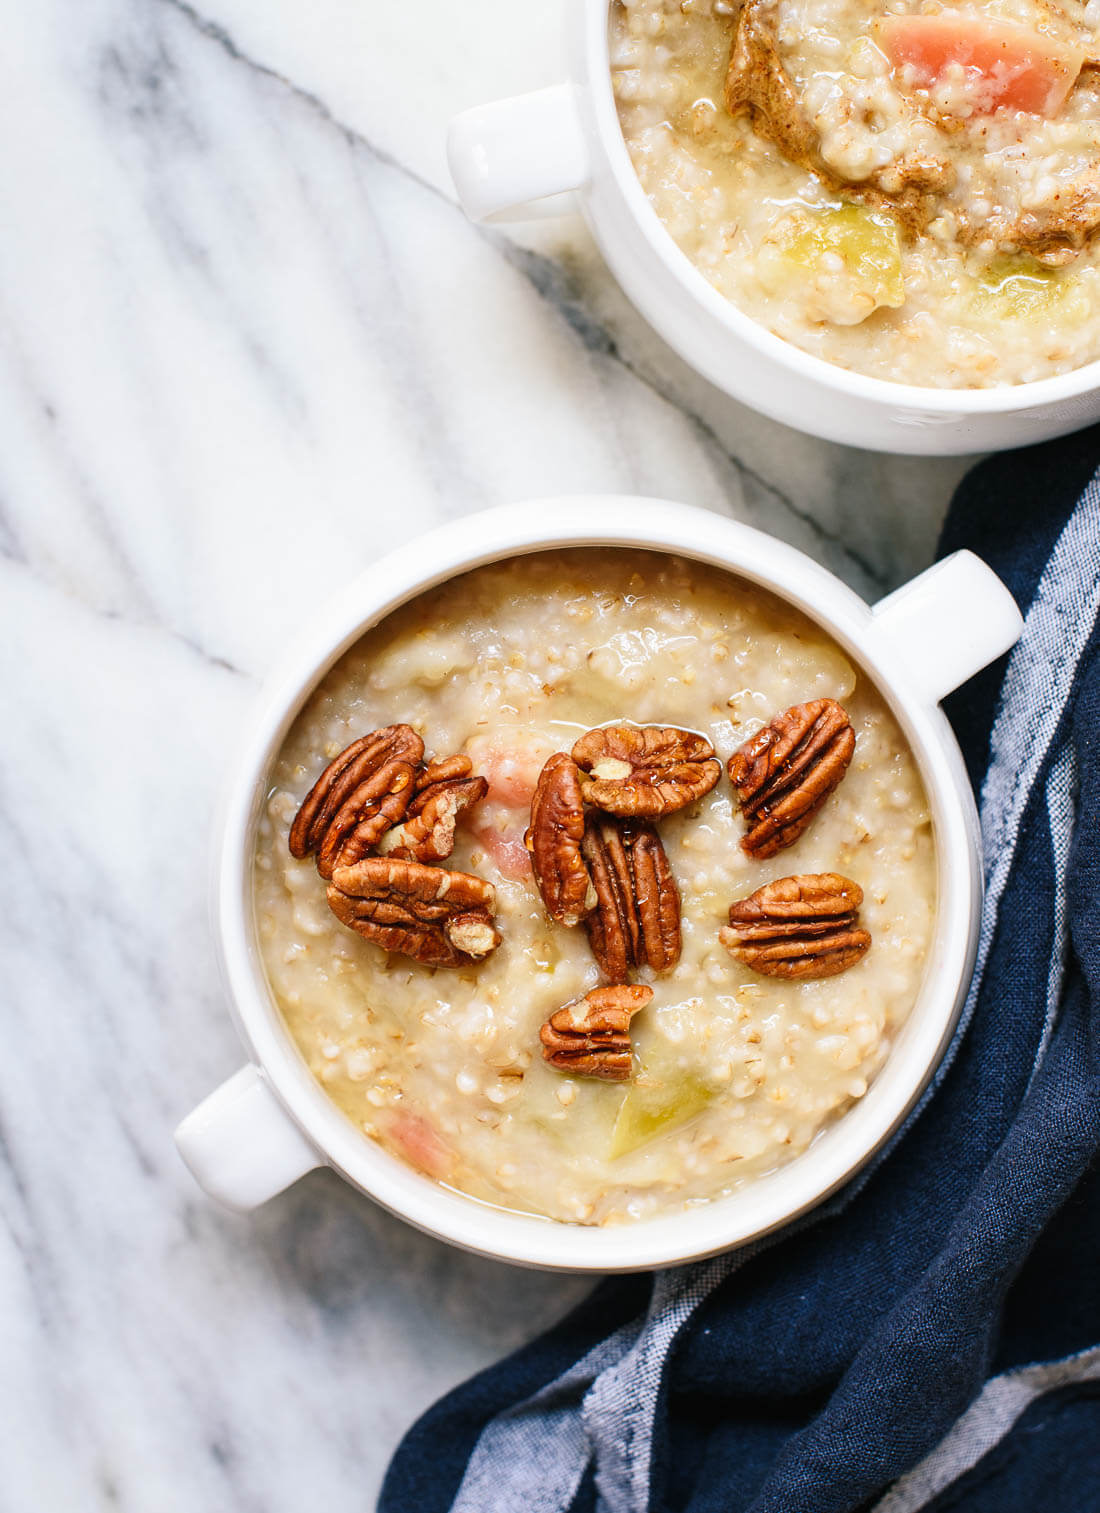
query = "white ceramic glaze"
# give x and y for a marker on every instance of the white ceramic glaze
(521, 157)
(272, 1122)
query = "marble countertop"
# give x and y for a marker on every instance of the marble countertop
(247, 342)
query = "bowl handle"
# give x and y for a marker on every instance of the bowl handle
(509, 159)
(948, 623)
(241, 1145)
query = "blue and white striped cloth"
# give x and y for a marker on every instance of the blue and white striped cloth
(930, 1338)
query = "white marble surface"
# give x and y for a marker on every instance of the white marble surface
(246, 343)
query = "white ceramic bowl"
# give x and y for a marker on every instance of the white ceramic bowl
(521, 157)
(271, 1122)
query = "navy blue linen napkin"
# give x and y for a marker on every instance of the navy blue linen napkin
(930, 1338)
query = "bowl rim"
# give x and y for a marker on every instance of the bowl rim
(933, 402)
(839, 1151)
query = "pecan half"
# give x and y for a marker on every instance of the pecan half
(636, 921)
(805, 926)
(591, 1038)
(441, 918)
(554, 841)
(360, 794)
(443, 790)
(443, 770)
(645, 770)
(786, 771)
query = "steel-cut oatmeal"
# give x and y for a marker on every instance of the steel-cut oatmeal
(614, 882)
(905, 188)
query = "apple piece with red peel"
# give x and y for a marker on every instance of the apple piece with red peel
(510, 760)
(499, 832)
(1007, 64)
(419, 1144)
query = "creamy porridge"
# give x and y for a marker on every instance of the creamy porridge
(703, 1069)
(903, 188)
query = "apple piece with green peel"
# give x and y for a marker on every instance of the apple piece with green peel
(1014, 284)
(852, 255)
(647, 1112)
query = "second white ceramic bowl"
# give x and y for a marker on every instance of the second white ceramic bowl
(525, 156)
(271, 1122)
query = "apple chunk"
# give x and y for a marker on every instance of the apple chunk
(1006, 64)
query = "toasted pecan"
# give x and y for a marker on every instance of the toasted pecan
(440, 918)
(645, 770)
(591, 1037)
(443, 791)
(803, 926)
(636, 921)
(787, 770)
(554, 841)
(358, 797)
